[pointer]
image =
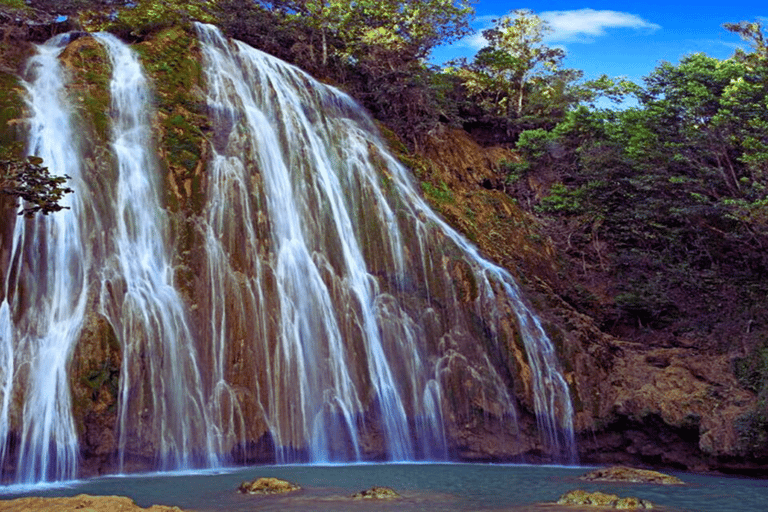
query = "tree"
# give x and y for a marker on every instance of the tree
(376, 49)
(752, 32)
(514, 62)
(34, 184)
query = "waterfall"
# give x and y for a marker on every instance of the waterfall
(317, 231)
(334, 316)
(45, 289)
(137, 290)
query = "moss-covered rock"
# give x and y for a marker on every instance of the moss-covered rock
(633, 475)
(89, 69)
(603, 500)
(268, 485)
(376, 493)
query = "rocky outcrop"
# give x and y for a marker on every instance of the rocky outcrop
(376, 493)
(267, 485)
(667, 404)
(626, 474)
(82, 502)
(603, 500)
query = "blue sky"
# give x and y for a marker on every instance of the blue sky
(624, 38)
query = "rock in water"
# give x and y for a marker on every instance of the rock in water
(376, 493)
(626, 474)
(267, 485)
(603, 500)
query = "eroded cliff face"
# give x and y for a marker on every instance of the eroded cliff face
(675, 405)
(668, 406)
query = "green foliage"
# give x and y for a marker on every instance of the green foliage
(752, 370)
(34, 184)
(517, 83)
(503, 73)
(143, 17)
(752, 428)
(670, 196)
(441, 194)
(16, 4)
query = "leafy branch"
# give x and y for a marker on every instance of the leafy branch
(34, 184)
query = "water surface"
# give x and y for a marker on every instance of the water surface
(434, 487)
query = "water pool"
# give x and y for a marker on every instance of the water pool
(433, 487)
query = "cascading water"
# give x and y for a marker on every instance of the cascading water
(137, 292)
(334, 316)
(309, 368)
(45, 290)
(316, 229)
(56, 259)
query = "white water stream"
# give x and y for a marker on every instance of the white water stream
(327, 321)
(137, 290)
(45, 290)
(337, 206)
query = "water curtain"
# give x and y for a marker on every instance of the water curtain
(335, 318)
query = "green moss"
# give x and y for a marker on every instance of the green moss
(11, 146)
(752, 430)
(16, 4)
(90, 68)
(171, 60)
(752, 370)
(438, 194)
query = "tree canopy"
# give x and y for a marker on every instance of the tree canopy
(668, 197)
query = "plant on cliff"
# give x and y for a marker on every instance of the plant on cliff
(138, 19)
(34, 184)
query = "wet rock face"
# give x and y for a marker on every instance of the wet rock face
(267, 485)
(95, 375)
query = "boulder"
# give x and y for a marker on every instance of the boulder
(376, 493)
(267, 485)
(632, 475)
(601, 499)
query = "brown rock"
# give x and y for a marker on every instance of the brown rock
(603, 500)
(376, 493)
(82, 502)
(627, 474)
(267, 485)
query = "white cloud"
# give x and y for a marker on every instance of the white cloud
(586, 24)
(474, 41)
(581, 25)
